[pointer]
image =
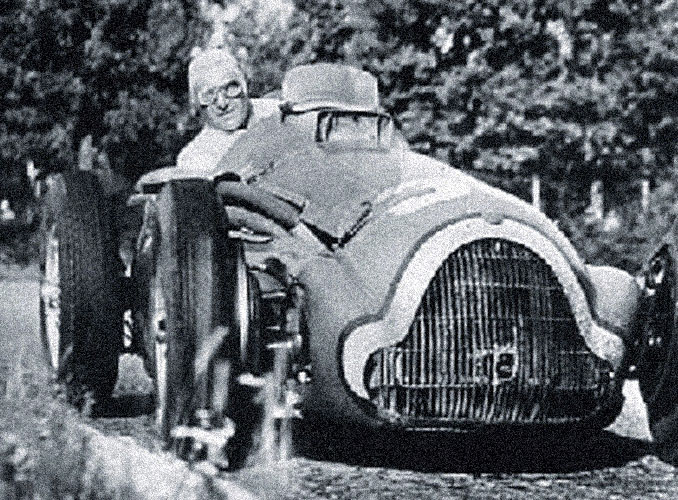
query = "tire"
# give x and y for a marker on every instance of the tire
(188, 297)
(658, 352)
(80, 313)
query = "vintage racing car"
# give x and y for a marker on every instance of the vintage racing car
(380, 287)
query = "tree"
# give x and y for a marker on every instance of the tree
(113, 70)
(573, 90)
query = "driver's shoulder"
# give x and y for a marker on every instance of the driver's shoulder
(205, 149)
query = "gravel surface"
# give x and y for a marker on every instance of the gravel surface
(617, 463)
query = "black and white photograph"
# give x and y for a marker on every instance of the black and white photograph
(347, 250)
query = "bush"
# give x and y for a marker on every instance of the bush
(19, 246)
(629, 244)
(43, 452)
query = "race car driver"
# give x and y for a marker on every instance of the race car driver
(218, 94)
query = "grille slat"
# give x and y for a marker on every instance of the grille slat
(493, 341)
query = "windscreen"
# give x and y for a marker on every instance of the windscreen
(368, 129)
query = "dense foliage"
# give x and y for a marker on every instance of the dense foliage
(113, 70)
(575, 90)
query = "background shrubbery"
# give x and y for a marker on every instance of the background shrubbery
(629, 244)
(574, 90)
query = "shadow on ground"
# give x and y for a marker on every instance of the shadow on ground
(473, 453)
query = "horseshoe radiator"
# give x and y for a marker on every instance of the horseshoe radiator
(493, 341)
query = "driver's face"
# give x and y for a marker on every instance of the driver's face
(225, 107)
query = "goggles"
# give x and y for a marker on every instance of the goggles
(232, 90)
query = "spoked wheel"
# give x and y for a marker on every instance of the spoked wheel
(658, 352)
(266, 408)
(195, 357)
(80, 315)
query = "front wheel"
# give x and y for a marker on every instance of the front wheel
(189, 314)
(658, 351)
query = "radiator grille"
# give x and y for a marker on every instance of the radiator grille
(493, 341)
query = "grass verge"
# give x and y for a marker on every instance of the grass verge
(44, 452)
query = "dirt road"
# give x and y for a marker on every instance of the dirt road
(19, 326)
(615, 464)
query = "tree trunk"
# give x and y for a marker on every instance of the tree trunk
(596, 207)
(536, 191)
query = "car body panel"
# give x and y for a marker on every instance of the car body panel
(376, 223)
(330, 183)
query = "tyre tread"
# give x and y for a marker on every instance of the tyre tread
(90, 311)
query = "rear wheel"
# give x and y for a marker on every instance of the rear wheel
(658, 352)
(80, 314)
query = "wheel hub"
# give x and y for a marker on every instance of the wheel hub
(159, 333)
